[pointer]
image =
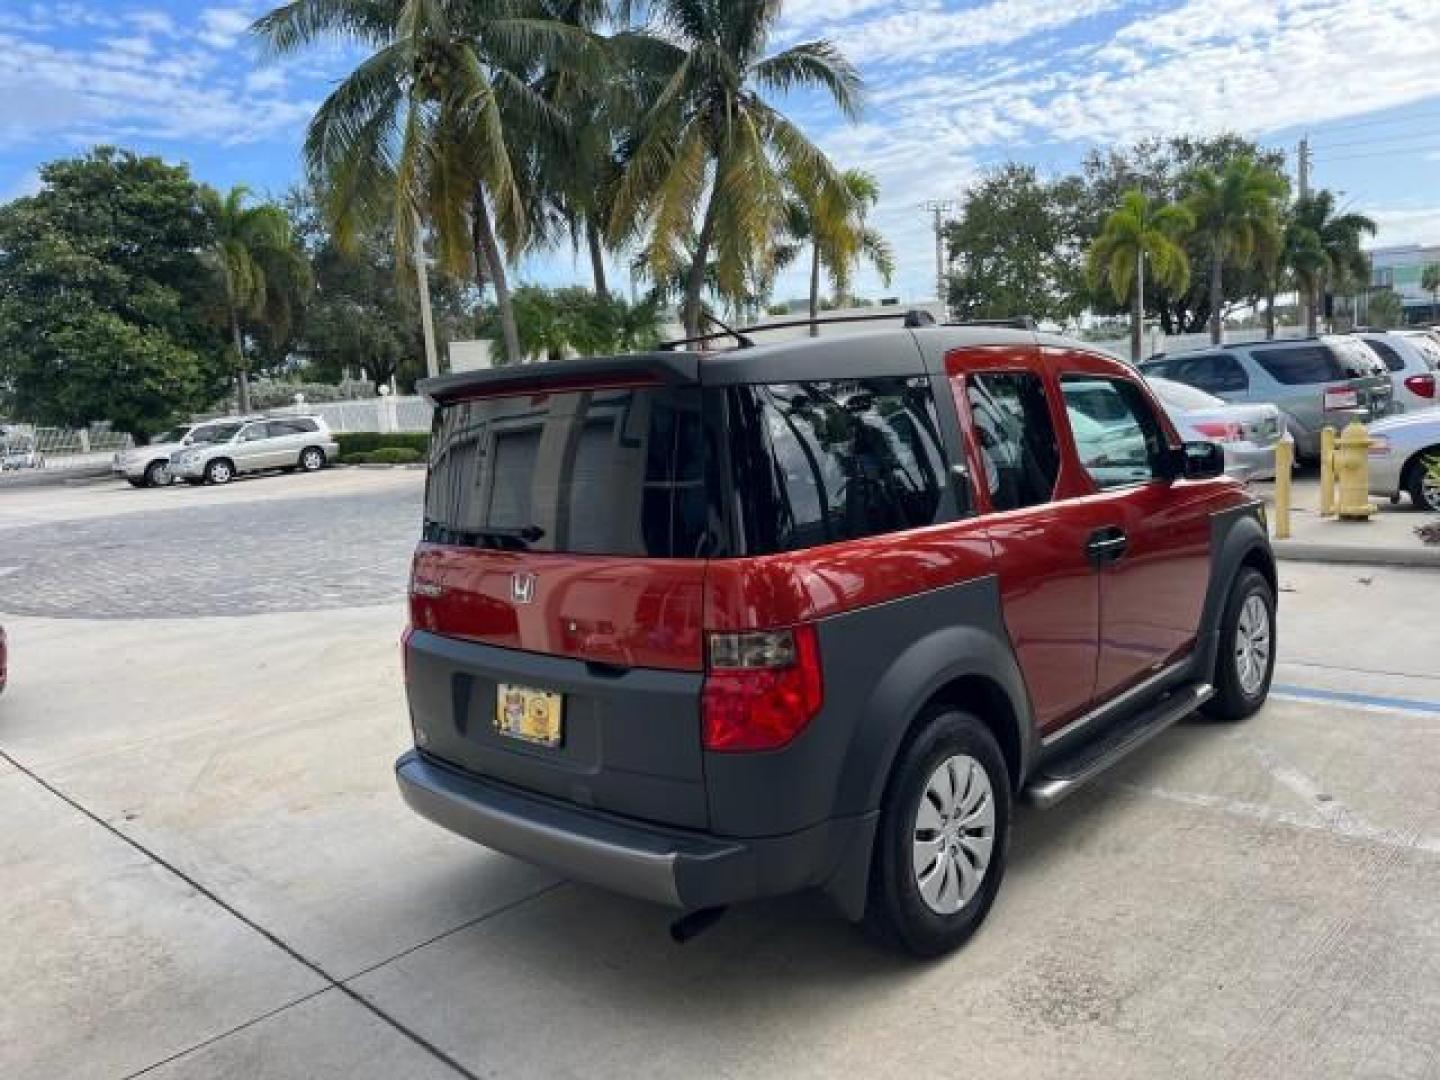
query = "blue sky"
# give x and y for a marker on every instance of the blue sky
(952, 87)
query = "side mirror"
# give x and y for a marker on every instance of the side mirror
(1198, 461)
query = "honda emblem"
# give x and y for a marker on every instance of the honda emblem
(522, 588)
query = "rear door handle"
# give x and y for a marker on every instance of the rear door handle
(1106, 545)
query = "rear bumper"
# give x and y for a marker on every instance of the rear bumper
(682, 870)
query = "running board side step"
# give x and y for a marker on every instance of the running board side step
(1060, 777)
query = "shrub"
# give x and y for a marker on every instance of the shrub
(363, 442)
(386, 455)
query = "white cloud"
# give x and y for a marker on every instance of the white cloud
(1405, 225)
(153, 22)
(222, 28)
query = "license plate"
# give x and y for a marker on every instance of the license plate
(533, 716)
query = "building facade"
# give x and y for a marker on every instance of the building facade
(1401, 269)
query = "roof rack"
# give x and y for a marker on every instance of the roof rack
(911, 318)
(1016, 322)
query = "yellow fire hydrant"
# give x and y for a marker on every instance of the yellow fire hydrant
(1352, 469)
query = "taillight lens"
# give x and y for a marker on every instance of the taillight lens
(1220, 430)
(1341, 397)
(761, 689)
(1423, 385)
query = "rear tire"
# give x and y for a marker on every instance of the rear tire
(136, 482)
(1245, 661)
(938, 861)
(312, 459)
(1423, 496)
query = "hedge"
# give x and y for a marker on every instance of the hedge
(386, 455)
(364, 442)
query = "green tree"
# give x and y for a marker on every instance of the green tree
(1328, 247)
(1232, 209)
(1138, 231)
(106, 308)
(556, 322)
(837, 233)
(360, 316)
(712, 147)
(1015, 248)
(1430, 282)
(1385, 310)
(432, 124)
(1161, 168)
(263, 275)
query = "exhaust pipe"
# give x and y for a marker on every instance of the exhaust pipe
(694, 923)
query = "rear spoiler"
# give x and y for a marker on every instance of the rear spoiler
(642, 368)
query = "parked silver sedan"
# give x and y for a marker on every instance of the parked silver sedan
(1405, 457)
(1247, 433)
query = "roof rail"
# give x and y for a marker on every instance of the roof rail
(1016, 322)
(910, 318)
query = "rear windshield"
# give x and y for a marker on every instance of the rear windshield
(684, 472)
(1392, 359)
(1357, 358)
(1296, 365)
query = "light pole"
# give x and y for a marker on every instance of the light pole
(939, 208)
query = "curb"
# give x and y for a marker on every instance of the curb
(1303, 551)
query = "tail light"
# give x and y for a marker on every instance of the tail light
(761, 688)
(1341, 397)
(1423, 385)
(1220, 430)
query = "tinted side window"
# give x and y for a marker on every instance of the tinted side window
(1017, 439)
(254, 433)
(1215, 373)
(818, 462)
(281, 428)
(1119, 452)
(1298, 365)
(1390, 356)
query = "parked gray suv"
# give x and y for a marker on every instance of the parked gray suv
(1316, 382)
(292, 442)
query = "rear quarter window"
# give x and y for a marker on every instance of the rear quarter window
(1300, 365)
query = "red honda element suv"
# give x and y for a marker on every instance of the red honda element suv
(702, 627)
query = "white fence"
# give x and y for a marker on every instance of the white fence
(26, 449)
(383, 414)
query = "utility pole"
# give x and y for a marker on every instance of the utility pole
(427, 317)
(1304, 160)
(939, 207)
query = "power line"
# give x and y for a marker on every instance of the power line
(1390, 152)
(1394, 136)
(1355, 123)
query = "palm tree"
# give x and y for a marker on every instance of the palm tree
(711, 146)
(837, 233)
(261, 270)
(1430, 282)
(1141, 229)
(427, 126)
(1330, 243)
(1232, 208)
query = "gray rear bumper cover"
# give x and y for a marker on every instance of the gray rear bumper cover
(647, 862)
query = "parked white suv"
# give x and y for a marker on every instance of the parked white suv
(149, 465)
(246, 446)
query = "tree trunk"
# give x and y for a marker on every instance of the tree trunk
(241, 374)
(1312, 308)
(1137, 311)
(1217, 286)
(493, 263)
(814, 289)
(597, 259)
(695, 279)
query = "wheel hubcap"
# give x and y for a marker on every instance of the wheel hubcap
(1252, 645)
(221, 473)
(954, 834)
(312, 461)
(1430, 490)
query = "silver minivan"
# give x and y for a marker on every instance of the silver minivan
(292, 442)
(1315, 382)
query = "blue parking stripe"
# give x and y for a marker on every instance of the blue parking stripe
(1343, 697)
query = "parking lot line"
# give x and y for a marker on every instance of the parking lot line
(1370, 702)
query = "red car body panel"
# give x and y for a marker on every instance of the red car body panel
(624, 611)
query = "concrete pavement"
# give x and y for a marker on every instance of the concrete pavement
(208, 873)
(1387, 539)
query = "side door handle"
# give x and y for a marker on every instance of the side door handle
(1106, 545)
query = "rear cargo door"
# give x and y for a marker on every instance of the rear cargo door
(557, 595)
